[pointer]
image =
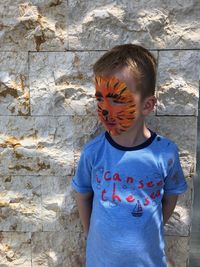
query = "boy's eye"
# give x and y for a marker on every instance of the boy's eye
(112, 95)
(99, 96)
(99, 99)
(117, 102)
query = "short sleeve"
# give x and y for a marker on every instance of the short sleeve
(81, 182)
(175, 182)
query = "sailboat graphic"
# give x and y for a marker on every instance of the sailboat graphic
(137, 211)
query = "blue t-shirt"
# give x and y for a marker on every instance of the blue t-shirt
(126, 224)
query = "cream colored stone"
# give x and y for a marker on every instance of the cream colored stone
(42, 25)
(177, 251)
(39, 152)
(179, 223)
(34, 25)
(14, 91)
(59, 210)
(85, 129)
(36, 146)
(15, 249)
(62, 83)
(156, 24)
(178, 82)
(183, 131)
(53, 249)
(20, 203)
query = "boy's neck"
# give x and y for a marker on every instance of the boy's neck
(134, 137)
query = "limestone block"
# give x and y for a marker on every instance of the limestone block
(62, 83)
(85, 129)
(36, 145)
(177, 251)
(14, 91)
(178, 82)
(15, 249)
(56, 249)
(179, 223)
(59, 210)
(183, 131)
(37, 203)
(154, 24)
(33, 25)
(20, 205)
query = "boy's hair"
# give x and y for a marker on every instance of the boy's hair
(138, 59)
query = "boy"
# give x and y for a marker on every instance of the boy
(129, 177)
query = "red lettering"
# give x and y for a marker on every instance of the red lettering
(130, 198)
(102, 194)
(116, 177)
(141, 184)
(97, 179)
(105, 176)
(153, 195)
(150, 184)
(114, 196)
(129, 179)
(146, 201)
(160, 183)
(158, 193)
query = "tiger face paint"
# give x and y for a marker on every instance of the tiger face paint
(116, 104)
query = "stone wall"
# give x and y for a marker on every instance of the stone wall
(47, 113)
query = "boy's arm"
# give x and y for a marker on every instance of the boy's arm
(84, 203)
(168, 206)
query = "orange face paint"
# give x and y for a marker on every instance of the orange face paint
(116, 104)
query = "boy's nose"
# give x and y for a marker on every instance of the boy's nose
(104, 112)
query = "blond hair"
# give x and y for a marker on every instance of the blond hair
(138, 59)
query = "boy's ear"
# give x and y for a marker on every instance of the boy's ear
(149, 104)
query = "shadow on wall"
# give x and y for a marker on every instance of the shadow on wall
(39, 211)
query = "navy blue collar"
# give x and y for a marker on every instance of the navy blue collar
(144, 144)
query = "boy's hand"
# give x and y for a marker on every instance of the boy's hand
(168, 206)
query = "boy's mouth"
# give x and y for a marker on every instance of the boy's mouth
(109, 122)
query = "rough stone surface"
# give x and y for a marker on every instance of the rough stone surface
(177, 251)
(36, 145)
(59, 211)
(34, 25)
(85, 128)
(154, 24)
(14, 90)
(60, 24)
(15, 249)
(178, 82)
(48, 113)
(61, 83)
(183, 131)
(179, 223)
(58, 249)
(20, 205)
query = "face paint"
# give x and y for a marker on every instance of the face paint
(116, 104)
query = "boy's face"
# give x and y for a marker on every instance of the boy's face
(117, 101)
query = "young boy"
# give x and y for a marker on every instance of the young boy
(129, 177)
